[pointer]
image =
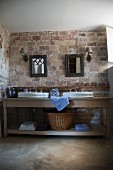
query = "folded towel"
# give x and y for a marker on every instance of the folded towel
(81, 127)
(60, 102)
(28, 125)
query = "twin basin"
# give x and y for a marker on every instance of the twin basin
(33, 94)
(46, 94)
(78, 94)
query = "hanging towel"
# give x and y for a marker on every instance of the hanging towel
(81, 127)
(60, 102)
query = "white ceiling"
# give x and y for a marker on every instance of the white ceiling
(51, 15)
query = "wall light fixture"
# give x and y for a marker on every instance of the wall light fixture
(89, 54)
(24, 54)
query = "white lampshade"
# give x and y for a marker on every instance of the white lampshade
(89, 50)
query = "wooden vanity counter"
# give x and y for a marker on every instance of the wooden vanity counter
(92, 102)
(47, 103)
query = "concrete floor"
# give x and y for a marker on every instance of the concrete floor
(56, 153)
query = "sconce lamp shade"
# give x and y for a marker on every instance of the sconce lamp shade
(22, 50)
(89, 50)
(24, 54)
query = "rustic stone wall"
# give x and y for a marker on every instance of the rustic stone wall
(56, 45)
(4, 56)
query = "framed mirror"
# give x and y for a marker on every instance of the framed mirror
(38, 65)
(74, 65)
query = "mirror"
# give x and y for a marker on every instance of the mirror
(74, 65)
(38, 65)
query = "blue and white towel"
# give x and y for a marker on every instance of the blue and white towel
(60, 102)
(54, 92)
(81, 127)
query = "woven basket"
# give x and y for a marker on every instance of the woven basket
(60, 121)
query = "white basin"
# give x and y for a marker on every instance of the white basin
(33, 94)
(78, 94)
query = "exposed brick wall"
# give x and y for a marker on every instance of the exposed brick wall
(4, 56)
(56, 45)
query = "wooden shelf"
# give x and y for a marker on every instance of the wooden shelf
(95, 130)
(95, 102)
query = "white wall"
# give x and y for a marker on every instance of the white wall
(47, 15)
(109, 32)
(110, 78)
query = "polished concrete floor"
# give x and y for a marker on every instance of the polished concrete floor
(56, 153)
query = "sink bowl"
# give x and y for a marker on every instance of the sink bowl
(78, 94)
(33, 94)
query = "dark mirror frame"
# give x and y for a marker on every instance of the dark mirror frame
(36, 59)
(71, 63)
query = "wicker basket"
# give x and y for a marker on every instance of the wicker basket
(60, 121)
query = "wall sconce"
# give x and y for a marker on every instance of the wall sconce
(24, 54)
(89, 54)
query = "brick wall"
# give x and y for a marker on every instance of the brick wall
(4, 56)
(56, 45)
